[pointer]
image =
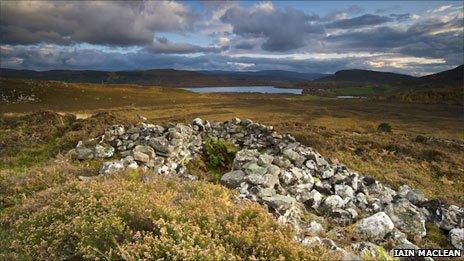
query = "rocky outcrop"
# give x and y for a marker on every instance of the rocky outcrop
(293, 180)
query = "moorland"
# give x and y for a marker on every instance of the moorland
(41, 120)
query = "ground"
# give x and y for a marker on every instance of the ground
(424, 149)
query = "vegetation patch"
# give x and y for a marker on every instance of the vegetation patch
(218, 157)
(119, 218)
(384, 127)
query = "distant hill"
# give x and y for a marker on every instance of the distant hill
(366, 77)
(274, 75)
(398, 82)
(450, 78)
(167, 77)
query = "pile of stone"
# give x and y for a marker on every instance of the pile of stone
(290, 178)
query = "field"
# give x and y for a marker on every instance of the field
(424, 149)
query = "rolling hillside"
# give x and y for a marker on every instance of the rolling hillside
(166, 77)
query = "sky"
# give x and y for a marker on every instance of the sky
(410, 37)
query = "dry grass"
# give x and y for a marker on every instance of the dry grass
(121, 218)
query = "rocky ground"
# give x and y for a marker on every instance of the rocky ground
(324, 201)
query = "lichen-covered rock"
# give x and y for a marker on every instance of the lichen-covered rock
(143, 153)
(407, 217)
(111, 167)
(233, 179)
(279, 202)
(375, 227)
(457, 238)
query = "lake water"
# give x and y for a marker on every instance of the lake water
(255, 89)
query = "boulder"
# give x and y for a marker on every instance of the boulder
(456, 236)
(198, 124)
(143, 153)
(111, 167)
(279, 202)
(414, 195)
(233, 179)
(344, 191)
(375, 227)
(315, 199)
(162, 146)
(451, 217)
(83, 153)
(332, 203)
(407, 217)
(314, 228)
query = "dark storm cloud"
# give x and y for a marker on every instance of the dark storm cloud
(360, 21)
(163, 45)
(283, 30)
(430, 38)
(96, 22)
(244, 46)
(48, 57)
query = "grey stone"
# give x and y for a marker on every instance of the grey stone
(344, 191)
(375, 227)
(279, 202)
(407, 217)
(456, 236)
(315, 199)
(233, 179)
(333, 202)
(314, 228)
(83, 153)
(111, 167)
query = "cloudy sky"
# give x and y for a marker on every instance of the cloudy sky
(306, 36)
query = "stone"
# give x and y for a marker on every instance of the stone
(375, 227)
(162, 146)
(414, 195)
(142, 157)
(315, 199)
(282, 162)
(301, 191)
(199, 123)
(279, 202)
(245, 156)
(451, 217)
(314, 228)
(407, 217)
(344, 191)
(233, 179)
(312, 241)
(83, 153)
(112, 132)
(253, 168)
(111, 167)
(104, 151)
(143, 153)
(265, 159)
(365, 248)
(291, 154)
(456, 236)
(333, 202)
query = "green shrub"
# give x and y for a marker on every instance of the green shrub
(118, 218)
(218, 157)
(384, 127)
